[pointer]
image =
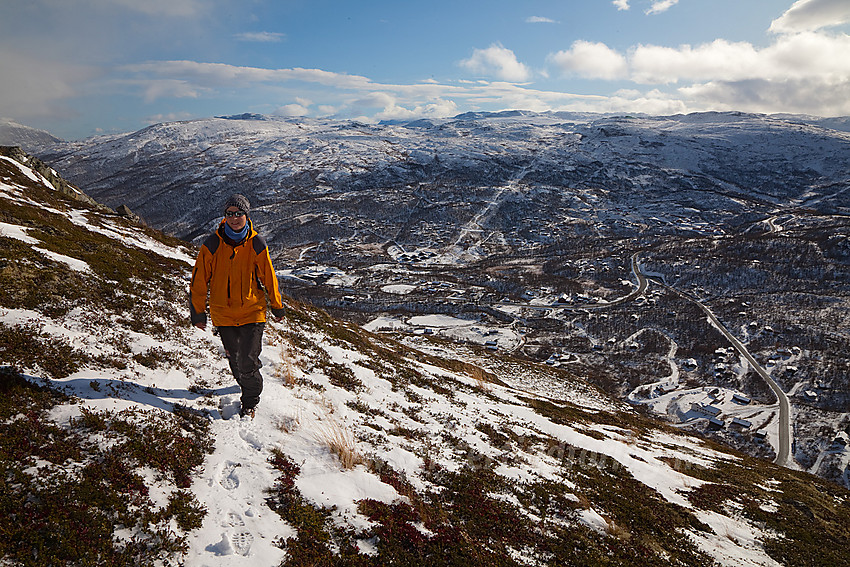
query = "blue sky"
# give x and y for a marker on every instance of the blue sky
(82, 67)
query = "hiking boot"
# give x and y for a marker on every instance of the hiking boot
(246, 411)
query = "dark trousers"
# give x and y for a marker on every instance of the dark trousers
(243, 345)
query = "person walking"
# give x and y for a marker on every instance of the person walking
(234, 268)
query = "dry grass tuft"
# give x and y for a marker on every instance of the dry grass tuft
(340, 442)
(285, 372)
(480, 376)
(285, 369)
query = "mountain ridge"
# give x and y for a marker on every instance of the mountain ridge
(348, 156)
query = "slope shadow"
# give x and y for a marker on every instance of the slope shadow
(110, 388)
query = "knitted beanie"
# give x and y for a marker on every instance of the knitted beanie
(238, 201)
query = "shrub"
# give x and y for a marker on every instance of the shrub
(65, 511)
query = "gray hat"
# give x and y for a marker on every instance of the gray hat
(238, 201)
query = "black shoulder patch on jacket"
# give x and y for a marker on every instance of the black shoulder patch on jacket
(212, 242)
(259, 244)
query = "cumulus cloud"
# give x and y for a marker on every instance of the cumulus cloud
(591, 60)
(292, 110)
(403, 104)
(802, 55)
(621, 4)
(720, 58)
(802, 72)
(659, 6)
(497, 61)
(433, 109)
(805, 55)
(810, 15)
(260, 37)
(539, 20)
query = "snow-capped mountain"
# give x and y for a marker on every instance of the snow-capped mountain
(121, 445)
(30, 139)
(643, 172)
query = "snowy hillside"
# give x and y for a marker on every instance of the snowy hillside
(121, 442)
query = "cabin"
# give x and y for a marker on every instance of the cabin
(705, 410)
(741, 399)
(742, 423)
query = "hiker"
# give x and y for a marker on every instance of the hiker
(234, 266)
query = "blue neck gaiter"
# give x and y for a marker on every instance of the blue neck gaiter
(236, 236)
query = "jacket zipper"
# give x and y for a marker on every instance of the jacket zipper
(232, 255)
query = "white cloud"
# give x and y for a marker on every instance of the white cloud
(260, 37)
(621, 4)
(803, 72)
(212, 75)
(292, 110)
(804, 55)
(591, 60)
(434, 109)
(377, 99)
(659, 6)
(405, 104)
(810, 15)
(498, 62)
(655, 64)
(539, 20)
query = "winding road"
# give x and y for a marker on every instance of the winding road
(784, 449)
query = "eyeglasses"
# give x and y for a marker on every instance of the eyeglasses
(229, 214)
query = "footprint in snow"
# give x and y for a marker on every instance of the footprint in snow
(251, 439)
(229, 477)
(222, 547)
(233, 520)
(242, 542)
(228, 407)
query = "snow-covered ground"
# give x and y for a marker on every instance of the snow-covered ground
(461, 330)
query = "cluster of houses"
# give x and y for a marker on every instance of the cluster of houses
(712, 413)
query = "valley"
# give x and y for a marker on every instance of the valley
(516, 232)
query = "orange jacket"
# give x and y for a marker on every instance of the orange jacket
(235, 275)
